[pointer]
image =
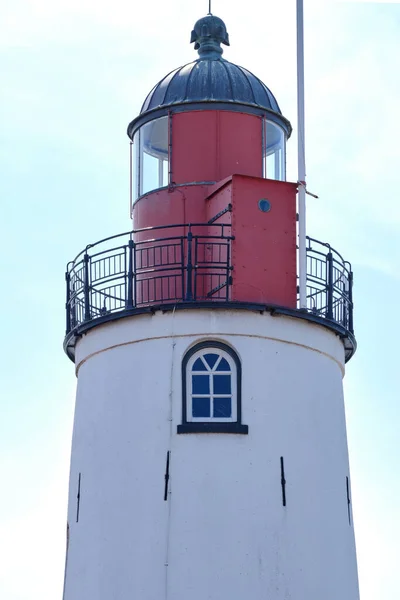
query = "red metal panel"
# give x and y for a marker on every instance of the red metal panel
(157, 279)
(184, 204)
(239, 144)
(194, 146)
(218, 200)
(211, 145)
(264, 248)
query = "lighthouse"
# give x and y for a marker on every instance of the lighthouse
(209, 455)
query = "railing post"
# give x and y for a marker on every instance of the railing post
(350, 302)
(329, 285)
(86, 289)
(189, 267)
(68, 300)
(183, 268)
(228, 269)
(131, 250)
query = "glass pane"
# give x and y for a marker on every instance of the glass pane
(135, 165)
(200, 384)
(201, 407)
(199, 365)
(222, 384)
(222, 408)
(153, 155)
(274, 152)
(165, 173)
(211, 359)
(150, 173)
(223, 365)
(271, 165)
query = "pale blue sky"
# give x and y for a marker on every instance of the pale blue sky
(73, 74)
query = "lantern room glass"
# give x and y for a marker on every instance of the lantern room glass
(274, 152)
(150, 170)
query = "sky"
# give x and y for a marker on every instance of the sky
(74, 73)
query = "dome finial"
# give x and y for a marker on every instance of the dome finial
(209, 7)
(208, 35)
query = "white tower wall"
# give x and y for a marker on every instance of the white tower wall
(223, 531)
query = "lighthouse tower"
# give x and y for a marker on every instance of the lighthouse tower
(209, 455)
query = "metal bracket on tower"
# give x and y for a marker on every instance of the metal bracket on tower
(283, 482)
(166, 478)
(218, 215)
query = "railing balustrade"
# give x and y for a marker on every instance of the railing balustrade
(135, 269)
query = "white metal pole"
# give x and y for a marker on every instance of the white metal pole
(301, 157)
(130, 179)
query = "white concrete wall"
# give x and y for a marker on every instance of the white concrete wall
(223, 532)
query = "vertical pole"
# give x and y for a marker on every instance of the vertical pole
(350, 303)
(264, 148)
(329, 285)
(68, 300)
(301, 157)
(130, 179)
(129, 299)
(86, 287)
(140, 164)
(189, 266)
(169, 149)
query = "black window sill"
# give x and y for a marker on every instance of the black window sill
(213, 428)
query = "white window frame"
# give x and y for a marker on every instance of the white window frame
(212, 373)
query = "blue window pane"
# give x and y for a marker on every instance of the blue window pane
(201, 407)
(222, 384)
(222, 408)
(211, 359)
(199, 365)
(223, 365)
(201, 384)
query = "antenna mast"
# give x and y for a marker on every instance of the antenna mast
(301, 157)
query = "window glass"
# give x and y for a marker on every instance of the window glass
(135, 165)
(200, 384)
(150, 169)
(223, 365)
(201, 408)
(211, 387)
(199, 365)
(222, 407)
(274, 152)
(222, 384)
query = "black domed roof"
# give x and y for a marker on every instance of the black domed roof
(211, 79)
(215, 80)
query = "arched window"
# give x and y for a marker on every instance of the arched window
(211, 392)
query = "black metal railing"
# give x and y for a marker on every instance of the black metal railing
(133, 270)
(329, 284)
(136, 269)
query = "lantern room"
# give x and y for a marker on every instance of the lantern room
(207, 120)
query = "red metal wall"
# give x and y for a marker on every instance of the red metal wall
(211, 145)
(264, 248)
(219, 198)
(184, 204)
